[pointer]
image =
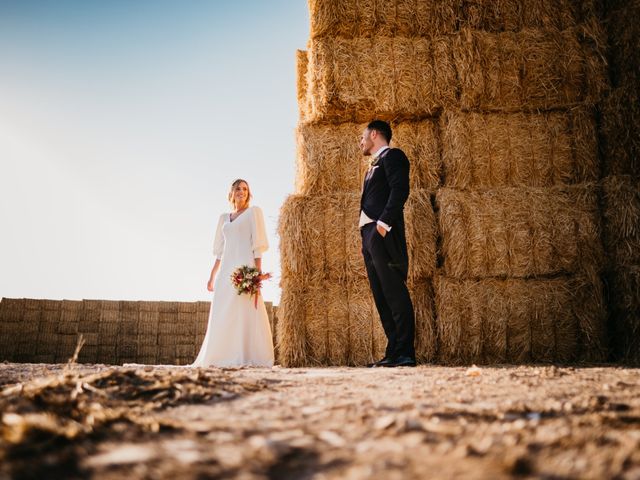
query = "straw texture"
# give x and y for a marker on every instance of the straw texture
(390, 78)
(320, 239)
(488, 150)
(512, 232)
(624, 41)
(337, 324)
(302, 65)
(620, 131)
(329, 158)
(498, 321)
(365, 18)
(624, 292)
(114, 332)
(622, 220)
(531, 69)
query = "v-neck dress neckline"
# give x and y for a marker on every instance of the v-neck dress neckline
(231, 220)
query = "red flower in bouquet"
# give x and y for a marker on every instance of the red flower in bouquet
(248, 280)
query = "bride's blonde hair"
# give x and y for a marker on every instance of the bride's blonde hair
(234, 184)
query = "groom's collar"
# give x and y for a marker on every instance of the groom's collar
(380, 150)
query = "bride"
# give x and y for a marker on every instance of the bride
(238, 332)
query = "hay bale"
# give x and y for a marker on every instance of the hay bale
(302, 65)
(621, 213)
(529, 70)
(88, 354)
(426, 341)
(488, 150)
(291, 328)
(337, 324)
(109, 305)
(65, 347)
(107, 354)
(624, 293)
(620, 132)
(412, 79)
(46, 344)
(67, 327)
(89, 321)
(129, 306)
(522, 233)
(520, 321)
(421, 234)
(52, 305)
(515, 15)
(362, 319)
(109, 316)
(12, 304)
(320, 239)
(168, 307)
(366, 18)
(11, 315)
(143, 350)
(90, 305)
(166, 354)
(129, 322)
(292, 230)
(203, 307)
(188, 307)
(624, 42)
(458, 336)
(337, 311)
(329, 159)
(590, 311)
(150, 306)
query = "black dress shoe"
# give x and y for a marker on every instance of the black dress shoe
(401, 362)
(379, 363)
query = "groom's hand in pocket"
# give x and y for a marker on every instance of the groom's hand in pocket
(381, 231)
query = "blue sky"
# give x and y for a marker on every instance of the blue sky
(122, 124)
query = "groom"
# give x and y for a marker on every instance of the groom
(386, 188)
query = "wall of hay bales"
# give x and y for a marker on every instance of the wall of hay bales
(620, 146)
(115, 332)
(496, 105)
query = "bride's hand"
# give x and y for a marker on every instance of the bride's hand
(265, 276)
(210, 285)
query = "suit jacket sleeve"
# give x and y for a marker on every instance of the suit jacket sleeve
(396, 167)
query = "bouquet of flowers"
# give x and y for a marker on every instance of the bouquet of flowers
(248, 280)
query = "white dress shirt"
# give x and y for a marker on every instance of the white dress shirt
(364, 218)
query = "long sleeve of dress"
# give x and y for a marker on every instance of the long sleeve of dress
(259, 242)
(218, 242)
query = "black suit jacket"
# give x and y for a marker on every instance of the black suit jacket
(384, 194)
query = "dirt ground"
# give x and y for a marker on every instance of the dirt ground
(322, 423)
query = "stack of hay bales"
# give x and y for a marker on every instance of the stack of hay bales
(114, 332)
(492, 102)
(620, 135)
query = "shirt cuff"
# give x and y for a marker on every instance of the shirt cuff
(384, 225)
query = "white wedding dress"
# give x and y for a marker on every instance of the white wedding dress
(238, 333)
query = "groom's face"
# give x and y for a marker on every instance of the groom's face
(366, 143)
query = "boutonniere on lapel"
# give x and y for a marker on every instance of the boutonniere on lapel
(373, 164)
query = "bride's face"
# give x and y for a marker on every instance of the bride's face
(240, 194)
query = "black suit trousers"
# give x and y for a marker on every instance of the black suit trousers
(390, 293)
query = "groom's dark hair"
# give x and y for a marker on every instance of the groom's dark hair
(381, 127)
